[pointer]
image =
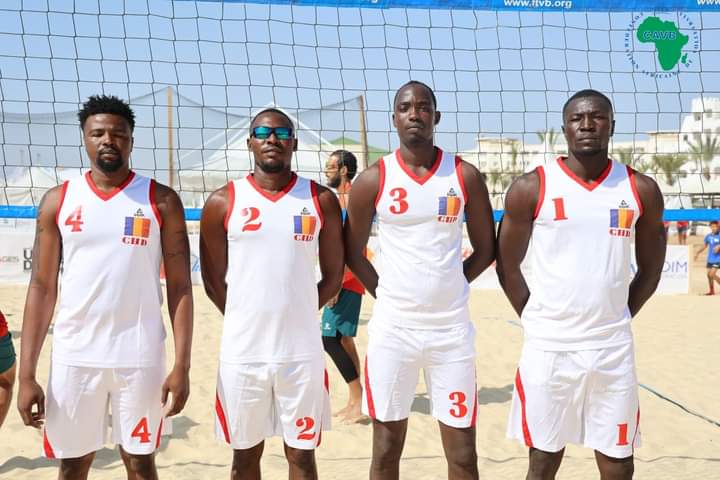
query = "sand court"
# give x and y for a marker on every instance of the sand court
(677, 355)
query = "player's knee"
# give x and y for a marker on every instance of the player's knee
(75, 467)
(301, 459)
(463, 458)
(143, 466)
(248, 459)
(386, 449)
(543, 465)
(620, 469)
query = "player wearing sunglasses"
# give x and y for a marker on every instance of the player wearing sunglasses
(260, 237)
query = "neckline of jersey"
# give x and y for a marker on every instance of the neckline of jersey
(411, 174)
(273, 198)
(587, 186)
(105, 196)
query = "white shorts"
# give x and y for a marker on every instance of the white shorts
(76, 409)
(394, 358)
(256, 401)
(587, 397)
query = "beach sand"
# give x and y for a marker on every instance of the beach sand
(677, 355)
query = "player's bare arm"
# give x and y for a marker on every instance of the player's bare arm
(214, 247)
(360, 213)
(514, 237)
(330, 246)
(176, 259)
(650, 243)
(479, 222)
(39, 306)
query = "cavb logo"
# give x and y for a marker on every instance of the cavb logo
(662, 45)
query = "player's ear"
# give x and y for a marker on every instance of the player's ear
(295, 144)
(437, 118)
(393, 119)
(612, 127)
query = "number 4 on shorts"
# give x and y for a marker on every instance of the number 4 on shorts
(142, 431)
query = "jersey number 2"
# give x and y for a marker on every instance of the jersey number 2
(75, 219)
(400, 205)
(308, 423)
(250, 224)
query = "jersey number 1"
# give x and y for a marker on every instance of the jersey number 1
(75, 219)
(559, 209)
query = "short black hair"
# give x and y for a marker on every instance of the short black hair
(714, 222)
(97, 104)
(346, 159)
(588, 92)
(273, 110)
(416, 82)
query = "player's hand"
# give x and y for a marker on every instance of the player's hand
(178, 385)
(30, 393)
(716, 249)
(331, 303)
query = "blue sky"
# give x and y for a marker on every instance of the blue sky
(496, 73)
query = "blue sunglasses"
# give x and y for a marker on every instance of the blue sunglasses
(263, 133)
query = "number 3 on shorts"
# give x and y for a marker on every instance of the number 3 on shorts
(308, 423)
(458, 399)
(142, 431)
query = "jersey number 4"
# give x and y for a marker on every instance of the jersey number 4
(399, 205)
(141, 431)
(75, 219)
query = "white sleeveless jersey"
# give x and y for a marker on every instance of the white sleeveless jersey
(420, 223)
(109, 312)
(271, 311)
(580, 259)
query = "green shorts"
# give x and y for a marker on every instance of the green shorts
(7, 353)
(343, 316)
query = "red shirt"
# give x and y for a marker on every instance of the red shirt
(3, 325)
(350, 282)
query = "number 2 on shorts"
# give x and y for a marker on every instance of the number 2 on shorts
(142, 431)
(458, 399)
(308, 424)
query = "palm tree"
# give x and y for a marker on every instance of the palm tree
(703, 150)
(627, 156)
(669, 165)
(548, 138)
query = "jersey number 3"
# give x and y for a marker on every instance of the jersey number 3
(400, 205)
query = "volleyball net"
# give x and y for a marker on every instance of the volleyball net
(196, 71)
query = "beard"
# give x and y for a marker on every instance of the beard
(109, 165)
(271, 167)
(334, 182)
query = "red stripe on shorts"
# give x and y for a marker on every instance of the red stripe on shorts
(474, 414)
(637, 427)
(368, 391)
(521, 394)
(157, 442)
(221, 417)
(49, 453)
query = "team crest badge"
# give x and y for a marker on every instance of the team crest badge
(448, 207)
(621, 219)
(137, 229)
(304, 226)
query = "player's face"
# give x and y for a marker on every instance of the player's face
(414, 115)
(108, 141)
(588, 126)
(714, 228)
(272, 154)
(333, 174)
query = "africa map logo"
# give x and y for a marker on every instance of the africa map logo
(661, 46)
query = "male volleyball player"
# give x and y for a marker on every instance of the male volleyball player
(7, 368)
(576, 382)
(342, 313)
(712, 243)
(420, 196)
(111, 228)
(260, 237)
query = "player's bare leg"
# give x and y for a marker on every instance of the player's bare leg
(246, 463)
(7, 380)
(388, 443)
(712, 277)
(460, 452)
(301, 463)
(139, 467)
(352, 411)
(75, 468)
(543, 465)
(615, 468)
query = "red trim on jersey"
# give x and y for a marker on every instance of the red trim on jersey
(461, 180)
(231, 204)
(633, 187)
(157, 441)
(49, 453)
(474, 414)
(428, 175)
(221, 417)
(541, 193)
(521, 395)
(368, 392)
(587, 186)
(316, 201)
(107, 196)
(63, 191)
(153, 204)
(381, 183)
(637, 427)
(278, 195)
